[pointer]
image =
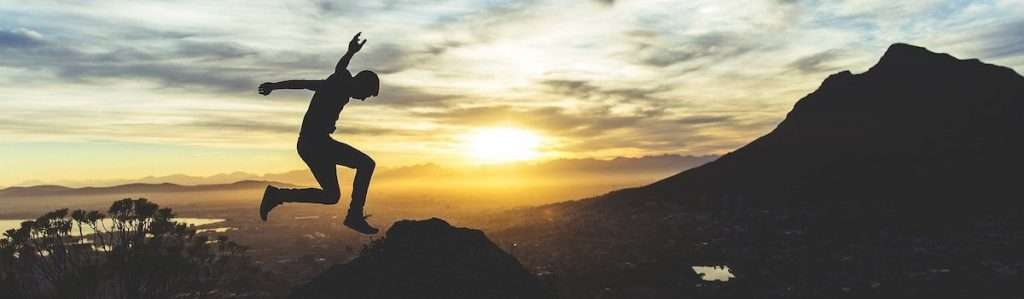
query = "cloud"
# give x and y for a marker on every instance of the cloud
(411, 97)
(20, 38)
(578, 88)
(168, 75)
(554, 120)
(604, 78)
(1006, 40)
(817, 62)
(653, 49)
(31, 126)
(598, 130)
(369, 131)
(326, 6)
(212, 50)
(191, 64)
(236, 124)
(590, 91)
(704, 119)
(388, 58)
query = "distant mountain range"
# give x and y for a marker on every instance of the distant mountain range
(621, 166)
(581, 175)
(903, 181)
(661, 164)
(55, 190)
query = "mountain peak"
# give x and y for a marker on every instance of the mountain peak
(915, 109)
(900, 56)
(904, 48)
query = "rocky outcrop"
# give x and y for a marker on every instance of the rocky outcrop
(427, 259)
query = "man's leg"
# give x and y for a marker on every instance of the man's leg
(326, 174)
(351, 157)
(364, 166)
(318, 155)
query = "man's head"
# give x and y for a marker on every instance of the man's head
(365, 84)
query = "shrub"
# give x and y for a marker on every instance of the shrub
(135, 250)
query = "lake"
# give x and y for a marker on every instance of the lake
(713, 273)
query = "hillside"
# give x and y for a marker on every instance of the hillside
(897, 181)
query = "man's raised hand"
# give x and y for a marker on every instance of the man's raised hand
(355, 45)
(266, 88)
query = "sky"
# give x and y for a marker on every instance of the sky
(115, 89)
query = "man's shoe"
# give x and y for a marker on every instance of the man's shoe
(357, 222)
(269, 201)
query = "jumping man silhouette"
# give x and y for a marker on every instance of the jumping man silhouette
(321, 152)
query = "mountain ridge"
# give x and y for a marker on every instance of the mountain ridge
(662, 163)
(56, 190)
(895, 176)
(829, 118)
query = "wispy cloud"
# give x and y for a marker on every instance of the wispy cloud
(817, 62)
(20, 38)
(601, 78)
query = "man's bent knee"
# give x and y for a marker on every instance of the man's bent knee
(367, 164)
(332, 196)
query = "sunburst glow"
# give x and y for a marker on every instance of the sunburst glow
(496, 145)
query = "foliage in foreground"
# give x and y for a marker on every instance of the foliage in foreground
(135, 250)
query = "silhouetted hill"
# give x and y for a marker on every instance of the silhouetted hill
(918, 129)
(427, 259)
(40, 189)
(902, 180)
(53, 190)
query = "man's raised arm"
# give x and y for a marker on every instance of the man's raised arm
(353, 47)
(267, 87)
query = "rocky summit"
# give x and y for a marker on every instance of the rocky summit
(427, 259)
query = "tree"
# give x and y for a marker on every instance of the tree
(136, 250)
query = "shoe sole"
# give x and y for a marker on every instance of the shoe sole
(365, 232)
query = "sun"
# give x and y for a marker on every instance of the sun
(505, 144)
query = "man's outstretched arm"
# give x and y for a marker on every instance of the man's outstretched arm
(353, 47)
(267, 87)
